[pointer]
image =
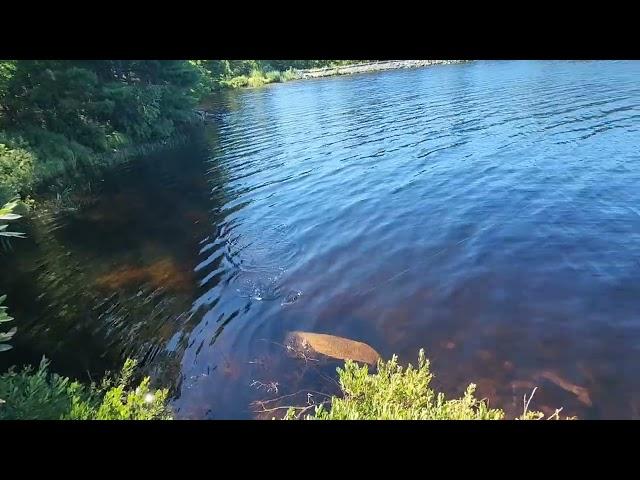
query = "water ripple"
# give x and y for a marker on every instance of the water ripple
(487, 207)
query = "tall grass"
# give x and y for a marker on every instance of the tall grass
(258, 78)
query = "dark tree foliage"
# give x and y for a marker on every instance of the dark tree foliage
(65, 112)
(86, 100)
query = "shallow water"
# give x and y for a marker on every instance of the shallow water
(488, 212)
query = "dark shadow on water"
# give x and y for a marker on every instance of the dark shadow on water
(114, 276)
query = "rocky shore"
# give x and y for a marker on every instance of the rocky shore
(371, 67)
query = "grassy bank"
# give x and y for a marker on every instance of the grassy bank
(257, 78)
(232, 74)
(264, 72)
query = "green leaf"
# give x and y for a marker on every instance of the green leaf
(4, 347)
(13, 234)
(8, 335)
(8, 208)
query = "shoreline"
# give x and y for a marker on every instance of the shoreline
(202, 113)
(370, 67)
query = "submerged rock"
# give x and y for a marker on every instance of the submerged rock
(581, 392)
(163, 273)
(331, 346)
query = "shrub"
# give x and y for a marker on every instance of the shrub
(39, 395)
(58, 156)
(394, 393)
(280, 77)
(257, 78)
(287, 75)
(236, 82)
(273, 76)
(71, 112)
(16, 171)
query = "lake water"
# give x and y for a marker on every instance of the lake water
(487, 212)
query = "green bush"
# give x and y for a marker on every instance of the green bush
(273, 76)
(287, 75)
(39, 395)
(16, 171)
(257, 78)
(58, 156)
(68, 113)
(394, 393)
(280, 77)
(235, 82)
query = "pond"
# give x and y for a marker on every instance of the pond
(487, 212)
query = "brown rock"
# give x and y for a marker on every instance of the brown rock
(163, 273)
(332, 346)
(581, 392)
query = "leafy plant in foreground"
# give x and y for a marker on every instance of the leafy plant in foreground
(395, 393)
(7, 215)
(4, 317)
(39, 395)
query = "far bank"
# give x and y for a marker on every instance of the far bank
(376, 66)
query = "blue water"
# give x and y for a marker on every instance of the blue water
(488, 212)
